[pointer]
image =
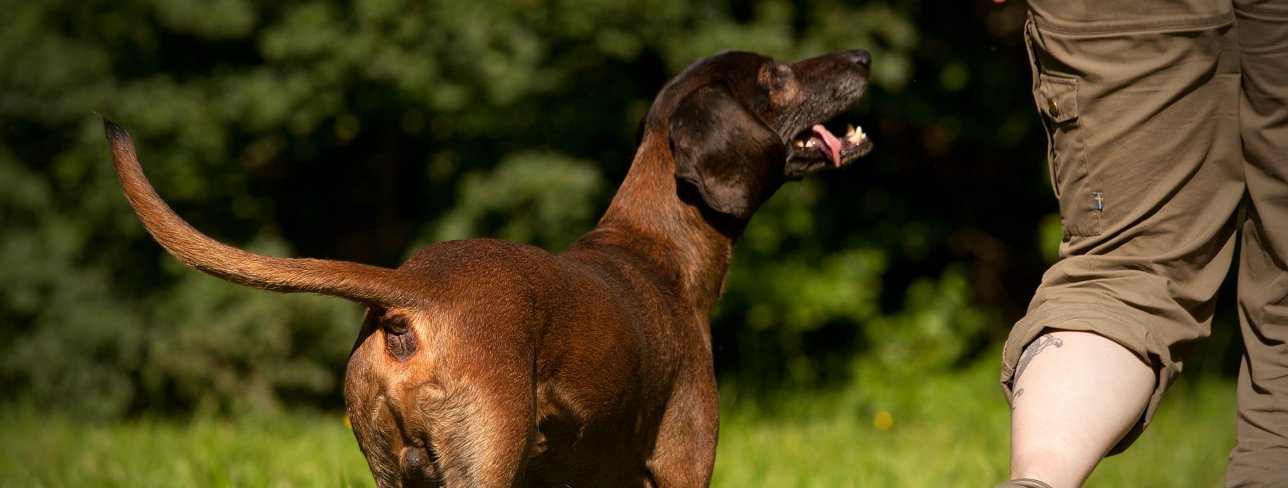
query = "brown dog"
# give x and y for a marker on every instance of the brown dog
(485, 363)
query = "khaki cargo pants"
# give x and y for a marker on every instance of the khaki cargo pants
(1164, 117)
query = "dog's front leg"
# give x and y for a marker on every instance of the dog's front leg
(686, 442)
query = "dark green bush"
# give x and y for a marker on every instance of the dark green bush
(358, 130)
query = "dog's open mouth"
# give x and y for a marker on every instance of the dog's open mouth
(812, 149)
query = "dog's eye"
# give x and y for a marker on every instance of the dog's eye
(774, 77)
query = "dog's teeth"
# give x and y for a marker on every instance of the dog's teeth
(856, 135)
(849, 130)
(800, 143)
(811, 143)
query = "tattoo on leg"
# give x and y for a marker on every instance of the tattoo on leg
(1036, 347)
(1016, 397)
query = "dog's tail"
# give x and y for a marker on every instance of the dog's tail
(372, 285)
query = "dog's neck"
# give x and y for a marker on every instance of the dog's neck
(667, 227)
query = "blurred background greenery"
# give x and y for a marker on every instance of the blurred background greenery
(364, 129)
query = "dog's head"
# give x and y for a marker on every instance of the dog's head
(740, 124)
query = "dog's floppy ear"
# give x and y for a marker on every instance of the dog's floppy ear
(733, 159)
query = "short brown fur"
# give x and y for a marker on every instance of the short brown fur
(485, 363)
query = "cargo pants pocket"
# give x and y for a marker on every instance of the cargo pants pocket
(1056, 97)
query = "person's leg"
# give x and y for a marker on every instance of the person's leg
(1076, 394)
(1260, 454)
(1140, 103)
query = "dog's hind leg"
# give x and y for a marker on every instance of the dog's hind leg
(485, 431)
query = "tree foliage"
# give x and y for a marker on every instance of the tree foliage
(363, 129)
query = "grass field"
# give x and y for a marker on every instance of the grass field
(948, 431)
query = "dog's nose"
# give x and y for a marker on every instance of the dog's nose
(860, 57)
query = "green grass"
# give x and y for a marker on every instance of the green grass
(946, 431)
(285, 451)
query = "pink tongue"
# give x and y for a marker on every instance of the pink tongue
(833, 144)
